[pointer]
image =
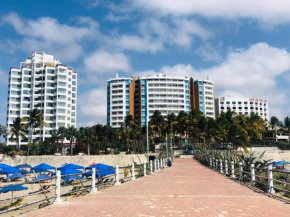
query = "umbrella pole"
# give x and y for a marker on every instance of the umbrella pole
(41, 187)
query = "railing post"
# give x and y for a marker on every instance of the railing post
(158, 166)
(117, 176)
(57, 187)
(145, 171)
(221, 166)
(241, 171)
(226, 167)
(133, 171)
(151, 169)
(93, 190)
(164, 164)
(270, 180)
(217, 164)
(253, 179)
(161, 164)
(155, 165)
(213, 163)
(233, 170)
(210, 162)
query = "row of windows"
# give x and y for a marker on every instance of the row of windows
(245, 103)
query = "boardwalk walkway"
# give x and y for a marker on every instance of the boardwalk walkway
(186, 189)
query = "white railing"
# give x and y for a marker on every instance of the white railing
(86, 183)
(260, 177)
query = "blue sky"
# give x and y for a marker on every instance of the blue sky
(243, 45)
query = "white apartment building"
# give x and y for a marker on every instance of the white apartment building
(243, 106)
(167, 94)
(42, 82)
(118, 98)
(205, 97)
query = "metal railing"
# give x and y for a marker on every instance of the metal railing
(82, 183)
(265, 178)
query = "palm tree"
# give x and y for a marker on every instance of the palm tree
(60, 134)
(17, 131)
(274, 122)
(34, 120)
(287, 125)
(70, 134)
(156, 123)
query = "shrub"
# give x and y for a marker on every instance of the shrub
(116, 152)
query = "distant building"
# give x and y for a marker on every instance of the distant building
(242, 106)
(44, 83)
(167, 94)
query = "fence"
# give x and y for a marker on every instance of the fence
(73, 185)
(266, 178)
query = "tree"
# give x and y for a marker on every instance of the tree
(287, 125)
(60, 135)
(34, 120)
(70, 134)
(17, 131)
(274, 122)
(156, 124)
(3, 131)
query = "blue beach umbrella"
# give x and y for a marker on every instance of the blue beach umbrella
(42, 168)
(23, 166)
(2, 166)
(41, 178)
(68, 171)
(10, 170)
(12, 188)
(72, 178)
(16, 176)
(101, 170)
(280, 163)
(72, 166)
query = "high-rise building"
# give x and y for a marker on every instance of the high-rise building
(242, 106)
(167, 94)
(44, 83)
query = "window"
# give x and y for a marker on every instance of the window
(50, 78)
(61, 117)
(16, 79)
(61, 97)
(62, 77)
(246, 103)
(49, 104)
(73, 114)
(49, 111)
(49, 91)
(74, 76)
(228, 103)
(61, 90)
(25, 105)
(26, 72)
(61, 103)
(73, 120)
(50, 84)
(73, 89)
(73, 95)
(27, 79)
(73, 108)
(26, 92)
(50, 71)
(60, 124)
(60, 83)
(27, 85)
(62, 111)
(74, 82)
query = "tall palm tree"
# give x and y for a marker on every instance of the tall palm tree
(287, 125)
(156, 123)
(60, 134)
(274, 122)
(17, 131)
(70, 134)
(34, 120)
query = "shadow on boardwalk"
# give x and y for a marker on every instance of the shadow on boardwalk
(186, 189)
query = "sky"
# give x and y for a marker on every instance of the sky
(243, 46)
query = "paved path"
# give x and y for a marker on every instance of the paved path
(186, 189)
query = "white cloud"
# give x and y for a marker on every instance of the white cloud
(250, 72)
(269, 11)
(48, 34)
(209, 52)
(105, 62)
(117, 18)
(92, 107)
(155, 35)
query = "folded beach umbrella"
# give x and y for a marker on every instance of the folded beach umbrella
(72, 166)
(280, 163)
(16, 176)
(12, 188)
(2, 166)
(42, 168)
(23, 166)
